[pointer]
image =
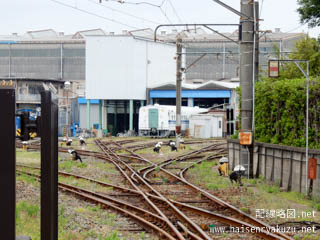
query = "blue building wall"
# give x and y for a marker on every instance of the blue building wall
(190, 95)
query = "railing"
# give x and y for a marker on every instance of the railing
(284, 165)
(28, 98)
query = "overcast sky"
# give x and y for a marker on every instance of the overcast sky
(19, 16)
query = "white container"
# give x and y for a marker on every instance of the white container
(206, 125)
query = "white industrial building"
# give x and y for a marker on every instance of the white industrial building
(50, 56)
(119, 69)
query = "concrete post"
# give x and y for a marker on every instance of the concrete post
(246, 80)
(190, 102)
(88, 114)
(131, 115)
(257, 42)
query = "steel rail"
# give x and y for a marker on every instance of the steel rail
(173, 228)
(217, 200)
(176, 210)
(90, 153)
(102, 200)
(163, 163)
(251, 219)
(220, 218)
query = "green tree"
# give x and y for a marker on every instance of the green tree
(309, 11)
(305, 49)
(280, 112)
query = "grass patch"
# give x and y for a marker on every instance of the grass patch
(28, 219)
(204, 175)
(28, 179)
(69, 165)
(25, 157)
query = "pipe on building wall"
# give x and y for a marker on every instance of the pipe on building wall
(130, 114)
(105, 116)
(100, 114)
(115, 125)
(224, 60)
(88, 114)
(9, 60)
(190, 102)
(61, 61)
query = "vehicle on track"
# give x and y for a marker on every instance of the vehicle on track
(160, 120)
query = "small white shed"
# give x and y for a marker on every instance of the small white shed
(206, 125)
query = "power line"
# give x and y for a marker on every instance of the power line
(123, 12)
(174, 10)
(137, 3)
(261, 8)
(93, 14)
(163, 12)
(301, 25)
(146, 3)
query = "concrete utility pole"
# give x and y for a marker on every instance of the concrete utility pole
(178, 91)
(247, 52)
(256, 16)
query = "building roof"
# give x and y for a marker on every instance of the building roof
(90, 32)
(212, 84)
(196, 34)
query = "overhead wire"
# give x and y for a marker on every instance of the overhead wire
(166, 16)
(94, 14)
(147, 3)
(175, 12)
(261, 6)
(301, 25)
(137, 3)
(123, 12)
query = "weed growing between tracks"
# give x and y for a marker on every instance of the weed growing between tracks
(78, 220)
(28, 222)
(255, 194)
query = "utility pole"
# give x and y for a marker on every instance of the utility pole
(247, 74)
(178, 91)
(256, 16)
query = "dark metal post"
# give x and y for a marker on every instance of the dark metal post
(8, 163)
(49, 167)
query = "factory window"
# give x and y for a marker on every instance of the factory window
(35, 89)
(23, 90)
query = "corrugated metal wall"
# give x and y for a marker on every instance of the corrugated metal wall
(94, 115)
(221, 60)
(42, 60)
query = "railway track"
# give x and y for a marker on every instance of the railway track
(112, 201)
(145, 185)
(149, 220)
(178, 208)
